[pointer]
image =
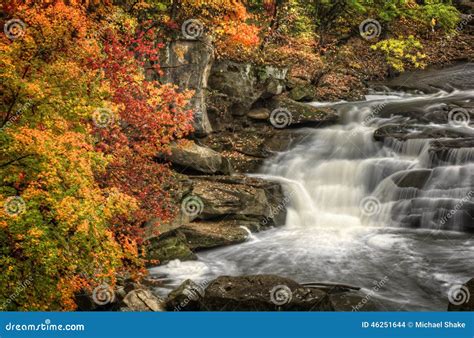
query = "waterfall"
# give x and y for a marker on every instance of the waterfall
(349, 179)
(361, 211)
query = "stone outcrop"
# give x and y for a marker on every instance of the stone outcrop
(303, 93)
(243, 84)
(302, 114)
(190, 157)
(187, 63)
(236, 87)
(224, 209)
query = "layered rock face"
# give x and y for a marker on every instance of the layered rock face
(217, 211)
(187, 64)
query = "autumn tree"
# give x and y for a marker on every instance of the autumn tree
(80, 127)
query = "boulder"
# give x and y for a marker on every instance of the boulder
(262, 293)
(205, 235)
(239, 197)
(351, 301)
(142, 300)
(172, 245)
(265, 293)
(187, 63)
(243, 84)
(411, 178)
(302, 93)
(192, 157)
(259, 114)
(301, 114)
(462, 298)
(186, 297)
(224, 209)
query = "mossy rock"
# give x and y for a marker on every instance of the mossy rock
(170, 247)
(302, 93)
(302, 114)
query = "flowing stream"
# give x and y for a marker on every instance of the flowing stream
(349, 222)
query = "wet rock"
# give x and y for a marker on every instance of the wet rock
(143, 300)
(262, 293)
(463, 299)
(411, 178)
(351, 301)
(451, 151)
(301, 114)
(438, 214)
(197, 158)
(302, 93)
(205, 235)
(186, 297)
(405, 132)
(239, 197)
(167, 247)
(227, 207)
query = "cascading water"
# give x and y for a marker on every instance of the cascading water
(362, 211)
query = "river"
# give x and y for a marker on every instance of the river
(348, 222)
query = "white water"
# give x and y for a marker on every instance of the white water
(348, 222)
